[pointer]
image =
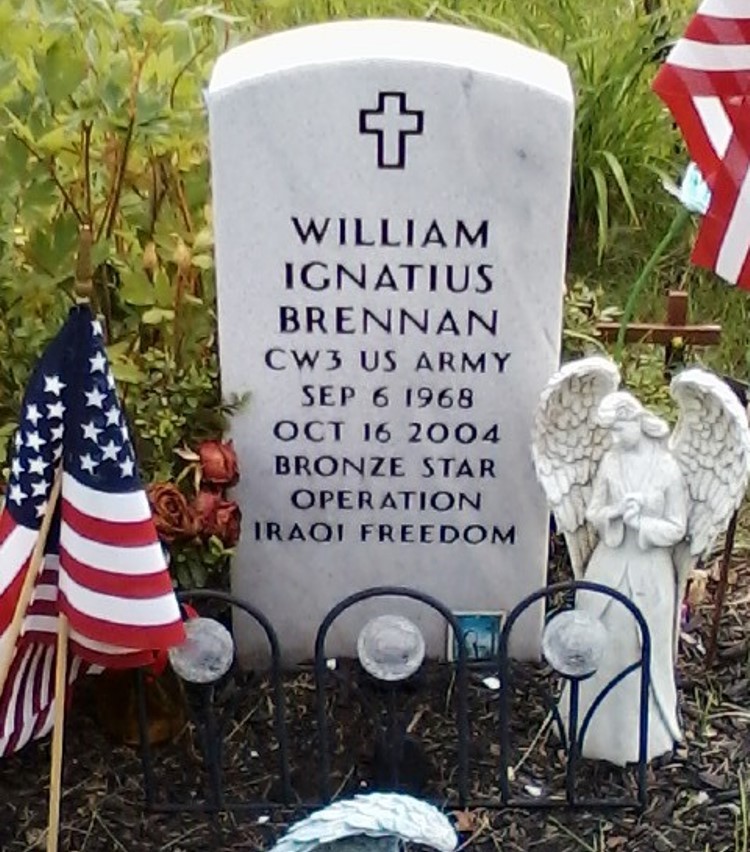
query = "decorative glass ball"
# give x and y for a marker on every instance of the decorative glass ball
(207, 653)
(390, 647)
(573, 643)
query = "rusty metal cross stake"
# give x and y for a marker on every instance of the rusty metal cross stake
(674, 335)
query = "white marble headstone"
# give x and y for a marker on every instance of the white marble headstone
(390, 205)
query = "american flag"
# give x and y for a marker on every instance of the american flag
(705, 82)
(104, 566)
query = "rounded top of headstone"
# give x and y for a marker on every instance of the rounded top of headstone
(573, 643)
(384, 40)
(390, 647)
(206, 654)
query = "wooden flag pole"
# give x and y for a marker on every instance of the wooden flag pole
(83, 289)
(32, 572)
(55, 779)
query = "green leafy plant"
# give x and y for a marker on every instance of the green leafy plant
(105, 129)
(583, 310)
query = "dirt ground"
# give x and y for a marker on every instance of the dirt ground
(696, 797)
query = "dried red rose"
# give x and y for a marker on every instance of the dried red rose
(228, 522)
(218, 517)
(172, 514)
(218, 462)
(204, 508)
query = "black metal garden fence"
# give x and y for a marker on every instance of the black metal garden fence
(296, 713)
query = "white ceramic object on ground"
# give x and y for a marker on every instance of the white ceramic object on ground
(377, 822)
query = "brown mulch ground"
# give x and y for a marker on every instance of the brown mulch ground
(696, 798)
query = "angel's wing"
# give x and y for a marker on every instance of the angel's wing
(567, 446)
(711, 443)
(374, 815)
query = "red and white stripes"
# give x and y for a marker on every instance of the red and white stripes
(111, 581)
(114, 584)
(705, 82)
(27, 701)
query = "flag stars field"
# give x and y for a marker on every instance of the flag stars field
(111, 451)
(104, 429)
(37, 465)
(91, 431)
(35, 441)
(52, 384)
(87, 463)
(16, 495)
(55, 410)
(98, 363)
(95, 398)
(37, 446)
(126, 467)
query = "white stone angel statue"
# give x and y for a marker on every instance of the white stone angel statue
(638, 507)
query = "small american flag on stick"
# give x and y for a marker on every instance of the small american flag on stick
(705, 82)
(103, 565)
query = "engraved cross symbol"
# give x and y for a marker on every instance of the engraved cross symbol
(391, 122)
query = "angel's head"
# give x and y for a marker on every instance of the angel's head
(628, 420)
